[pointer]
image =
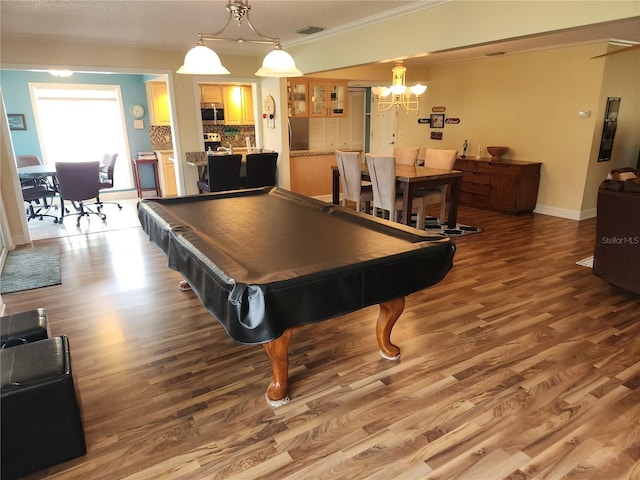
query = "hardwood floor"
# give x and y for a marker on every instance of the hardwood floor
(520, 365)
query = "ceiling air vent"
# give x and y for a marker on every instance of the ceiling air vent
(309, 30)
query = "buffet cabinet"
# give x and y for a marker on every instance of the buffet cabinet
(509, 186)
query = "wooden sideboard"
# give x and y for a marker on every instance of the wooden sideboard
(509, 186)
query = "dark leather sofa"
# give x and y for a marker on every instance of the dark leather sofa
(616, 256)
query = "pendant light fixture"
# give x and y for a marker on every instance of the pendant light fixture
(201, 60)
(401, 96)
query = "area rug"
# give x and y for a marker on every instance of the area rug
(30, 268)
(586, 262)
(432, 225)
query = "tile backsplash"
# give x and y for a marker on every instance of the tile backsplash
(233, 134)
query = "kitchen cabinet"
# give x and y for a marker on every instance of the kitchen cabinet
(509, 186)
(167, 172)
(317, 98)
(210, 93)
(158, 102)
(298, 101)
(328, 98)
(238, 105)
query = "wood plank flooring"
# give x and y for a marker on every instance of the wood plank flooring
(519, 365)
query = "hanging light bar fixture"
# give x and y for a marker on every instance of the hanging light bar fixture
(401, 95)
(201, 60)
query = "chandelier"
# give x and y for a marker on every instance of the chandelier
(401, 95)
(201, 60)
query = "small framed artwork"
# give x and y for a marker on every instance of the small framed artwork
(437, 120)
(16, 121)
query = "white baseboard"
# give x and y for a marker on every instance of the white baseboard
(565, 213)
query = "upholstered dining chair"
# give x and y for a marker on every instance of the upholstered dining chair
(351, 180)
(261, 169)
(223, 173)
(443, 160)
(105, 177)
(78, 182)
(28, 160)
(406, 155)
(382, 170)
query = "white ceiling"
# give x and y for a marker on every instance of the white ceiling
(174, 24)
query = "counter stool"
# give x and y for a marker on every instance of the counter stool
(41, 419)
(24, 327)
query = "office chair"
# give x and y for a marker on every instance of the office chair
(34, 193)
(28, 160)
(223, 173)
(78, 182)
(105, 178)
(443, 160)
(351, 180)
(261, 169)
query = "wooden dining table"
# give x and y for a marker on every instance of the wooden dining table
(412, 178)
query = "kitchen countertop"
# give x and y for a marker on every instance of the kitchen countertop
(310, 153)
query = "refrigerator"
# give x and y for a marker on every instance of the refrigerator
(298, 133)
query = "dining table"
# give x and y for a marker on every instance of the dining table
(410, 179)
(45, 172)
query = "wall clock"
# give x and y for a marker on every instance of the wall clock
(137, 111)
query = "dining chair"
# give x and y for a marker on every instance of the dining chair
(382, 171)
(105, 177)
(261, 169)
(78, 182)
(406, 155)
(442, 160)
(223, 173)
(28, 160)
(351, 180)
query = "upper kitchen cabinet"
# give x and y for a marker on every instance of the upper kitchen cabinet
(210, 93)
(158, 101)
(298, 99)
(317, 97)
(238, 105)
(328, 98)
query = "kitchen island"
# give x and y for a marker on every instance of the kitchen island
(311, 171)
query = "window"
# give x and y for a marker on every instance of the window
(79, 123)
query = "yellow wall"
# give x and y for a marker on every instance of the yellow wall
(530, 103)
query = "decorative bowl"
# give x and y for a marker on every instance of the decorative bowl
(497, 152)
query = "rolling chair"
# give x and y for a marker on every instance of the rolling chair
(78, 182)
(382, 170)
(223, 173)
(105, 177)
(28, 160)
(443, 160)
(261, 169)
(351, 180)
(34, 193)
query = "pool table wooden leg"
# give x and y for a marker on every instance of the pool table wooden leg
(278, 352)
(389, 313)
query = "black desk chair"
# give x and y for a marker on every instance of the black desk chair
(38, 196)
(105, 177)
(261, 169)
(78, 182)
(224, 173)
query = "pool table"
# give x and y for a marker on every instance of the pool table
(264, 261)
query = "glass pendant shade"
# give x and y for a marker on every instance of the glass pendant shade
(418, 89)
(201, 60)
(278, 63)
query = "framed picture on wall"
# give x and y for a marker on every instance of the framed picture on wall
(16, 121)
(437, 120)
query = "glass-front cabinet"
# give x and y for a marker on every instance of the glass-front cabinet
(317, 98)
(298, 99)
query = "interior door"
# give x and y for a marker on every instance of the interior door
(384, 128)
